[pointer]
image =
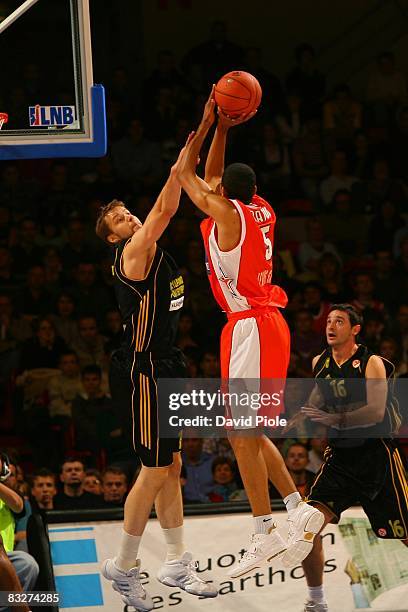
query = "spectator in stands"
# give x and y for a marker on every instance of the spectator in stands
(342, 115)
(11, 508)
(28, 250)
(401, 268)
(7, 230)
(14, 330)
(373, 328)
(205, 63)
(198, 468)
(114, 486)
(64, 387)
(314, 302)
(306, 78)
(209, 365)
(137, 159)
(318, 445)
(314, 247)
(401, 329)
(95, 423)
(310, 158)
(64, 320)
(53, 269)
(16, 193)
(61, 200)
(305, 342)
(400, 145)
(90, 345)
(43, 489)
(73, 497)
(113, 330)
(8, 281)
(386, 288)
(347, 229)
(390, 350)
(384, 226)
(77, 247)
(185, 330)
(363, 288)
(93, 481)
(329, 272)
(386, 90)
(44, 350)
(35, 298)
(290, 120)
(90, 297)
(20, 528)
(224, 484)
(296, 460)
(338, 179)
(378, 188)
(272, 160)
(361, 156)
(167, 75)
(270, 83)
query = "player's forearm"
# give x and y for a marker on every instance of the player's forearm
(366, 415)
(170, 196)
(11, 498)
(214, 168)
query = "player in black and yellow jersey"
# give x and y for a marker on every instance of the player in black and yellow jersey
(150, 294)
(353, 398)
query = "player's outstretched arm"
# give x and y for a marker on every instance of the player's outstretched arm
(214, 168)
(199, 192)
(159, 217)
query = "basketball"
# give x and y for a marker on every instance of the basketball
(238, 92)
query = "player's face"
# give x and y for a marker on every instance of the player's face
(122, 223)
(339, 329)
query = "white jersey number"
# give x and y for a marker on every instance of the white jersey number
(268, 243)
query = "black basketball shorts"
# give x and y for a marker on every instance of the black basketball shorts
(373, 475)
(133, 384)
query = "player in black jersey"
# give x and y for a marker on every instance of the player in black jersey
(362, 462)
(150, 292)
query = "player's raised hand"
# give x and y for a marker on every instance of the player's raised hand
(209, 110)
(227, 121)
(177, 166)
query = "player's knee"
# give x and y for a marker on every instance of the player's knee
(154, 474)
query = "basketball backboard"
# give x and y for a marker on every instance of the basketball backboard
(47, 91)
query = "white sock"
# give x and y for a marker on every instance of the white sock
(175, 542)
(292, 500)
(262, 524)
(316, 594)
(128, 550)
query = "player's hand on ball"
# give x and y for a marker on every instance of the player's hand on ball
(209, 110)
(227, 121)
(319, 416)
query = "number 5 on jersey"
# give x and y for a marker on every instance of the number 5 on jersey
(267, 240)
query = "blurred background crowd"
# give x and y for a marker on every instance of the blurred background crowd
(335, 169)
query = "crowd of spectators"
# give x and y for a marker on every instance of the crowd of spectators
(336, 165)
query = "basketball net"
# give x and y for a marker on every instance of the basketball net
(3, 119)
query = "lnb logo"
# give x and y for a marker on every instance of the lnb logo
(51, 116)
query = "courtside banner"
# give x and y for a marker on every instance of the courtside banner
(215, 540)
(293, 407)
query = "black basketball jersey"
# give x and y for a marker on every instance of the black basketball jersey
(342, 392)
(150, 308)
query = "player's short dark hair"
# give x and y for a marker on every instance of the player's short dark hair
(239, 181)
(102, 229)
(354, 316)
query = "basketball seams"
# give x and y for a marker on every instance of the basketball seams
(232, 90)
